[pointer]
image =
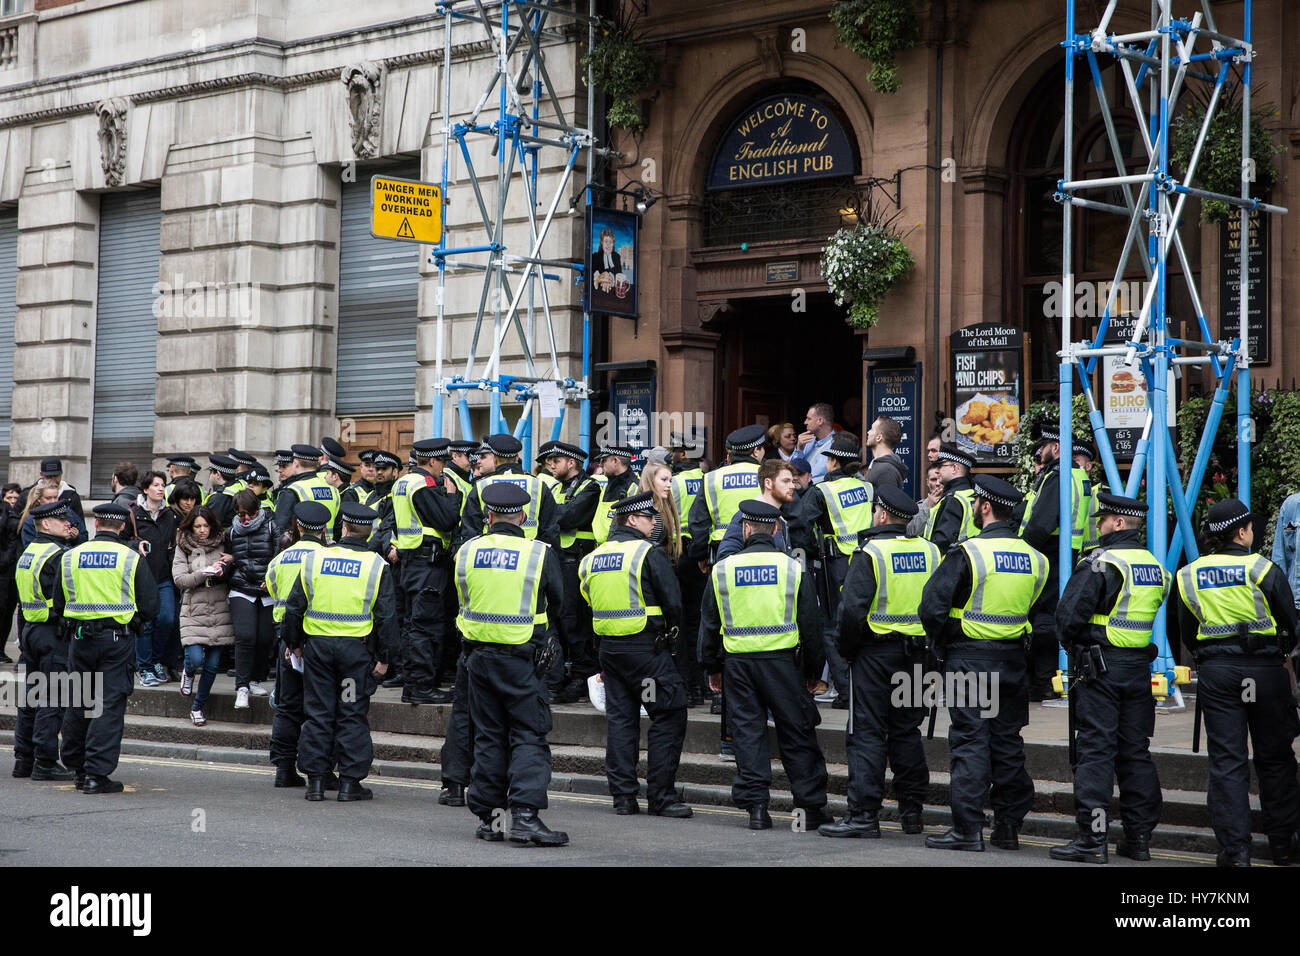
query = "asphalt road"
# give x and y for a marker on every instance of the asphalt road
(183, 813)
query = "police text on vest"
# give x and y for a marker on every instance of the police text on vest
(497, 558)
(764, 574)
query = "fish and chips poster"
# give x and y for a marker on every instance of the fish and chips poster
(988, 391)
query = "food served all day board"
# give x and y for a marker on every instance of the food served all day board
(987, 384)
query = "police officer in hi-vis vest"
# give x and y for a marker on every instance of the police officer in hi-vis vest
(310, 518)
(108, 596)
(831, 516)
(1104, 620)
(688, 479)
(43, 645)
(636, 609)
(576, 496)
(509, 586)
(975, 611)
(880, 635)
(614, 462)
(952, 520)
(760, 609)
(426, 516)
(340, 621)
(499, 462)
(1238, 616)
(721, 492)
(304, 484)
(178, 466)
(221, 475)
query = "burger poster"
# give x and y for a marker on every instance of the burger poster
(1124, 407)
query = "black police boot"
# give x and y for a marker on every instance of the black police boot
(350, 790)
(331, 781)
(759, 818)
(952, 840)
(527, 827)
(486, 832)
(1087, 847)
(814, 817)
(626, 806)
(425, 694)
(315, 788)
(1285, 850)
(715, 705)
(911, 820)
(453, 795)
(840, 703)
(671, 806)
(1233, 856)
(23, 768)
(80, 781)
(51, 771)
(397, 680)
(1135, 846)
(96, 784)
(864, 823)
(1005, 835)
(286, 776)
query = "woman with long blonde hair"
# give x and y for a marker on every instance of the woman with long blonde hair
(658, 479)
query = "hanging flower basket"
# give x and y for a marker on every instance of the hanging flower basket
(622, 66)
(876, 30)
(861, 264)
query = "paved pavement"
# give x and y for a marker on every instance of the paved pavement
(180, 813)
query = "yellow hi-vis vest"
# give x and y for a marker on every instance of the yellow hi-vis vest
(965, 498)
(409, 530)
(284, 570)
(758, 595)
(498, 579)
(902, 567)
(530, 483)
(569, 538)
(603, 520)
(848, 505)
(318, 489)
(686, 488)
(464, 487)
(549, 480)
(724, 489)
(1081, 498)
(1222, 591)
(1007, 576)
(341, 587)
(1146, 585)
(610, 581)
(1092, 533)
(99, 582)
(36, 607)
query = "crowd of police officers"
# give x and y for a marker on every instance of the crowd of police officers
(520, 586)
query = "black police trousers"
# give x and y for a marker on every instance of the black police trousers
(336, 688)
(835, 570)
(457, 757)
(636, 675)
(1240, 694)
(1044, 648)
(512, 716)
(1114, 718)
(988, 749)
(93, 745)
(575, 629)
(757, 683)
(883, 729)
(287, 718)
(424, 586)
(686, 654)
(36, 730)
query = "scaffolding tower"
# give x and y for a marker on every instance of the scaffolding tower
(530, 121)
(1161, 62)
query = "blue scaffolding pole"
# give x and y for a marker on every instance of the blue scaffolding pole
(1165, 60)
(530, 122)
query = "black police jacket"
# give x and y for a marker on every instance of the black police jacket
(949, 587)
(1281, 604)
(471, 524)
(807, 614)
(698, 521)
(947, 523)
(576, 512)
(286, 498)
(1089, 592)
(658, 581)
(434, 506)
(858, 592)
(385, 624)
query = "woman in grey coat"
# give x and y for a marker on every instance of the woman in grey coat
(201, 569)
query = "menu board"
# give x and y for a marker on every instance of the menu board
(988, 364)
(1124, 393)
(1257, 326)
(894, 392)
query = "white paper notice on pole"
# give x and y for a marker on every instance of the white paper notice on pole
(1125, 395)
(552, 400)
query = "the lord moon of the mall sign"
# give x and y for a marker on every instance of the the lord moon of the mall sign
(405, 209)
(781, 139)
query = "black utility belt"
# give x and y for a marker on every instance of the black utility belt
(525, 650)
(80, 630)
(1251, 645)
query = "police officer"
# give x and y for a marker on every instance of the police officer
(975, 611)
(499, 462)
(460, 469)
(722, 490)
(244, 460)
(221, 475)
(310, 519)
(258, 480)
(108, 595)
(1041, 530)
(615, 463)
(304, 484)
(688, 478)
(831, 516)
(881, 636)
(1104, 620)
(952, 520)
(178, 466)
(283, 462)
(340, 620)
(509, 587)
(338, 475)
(576, 497)
(760, 609)
(1238, 617)
(359, 489)
(426, 515)
(43, 646)
(636, 608)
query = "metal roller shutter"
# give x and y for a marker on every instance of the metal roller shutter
(378, 302)
(126, 334)
(8, 306)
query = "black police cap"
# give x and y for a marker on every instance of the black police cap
(429, 448)
(306, 452)
(948, 451)
(644, 503)
(283, 456)
(463, 445)
(354, 512)
(616, 451)
(184, 461)
(999, 492)
(342, 468)
(55, 509)
(223, 465)
(1227, 515)
(504, 497)
(1109, 504)
(368, 456)
(758, 511)
(504, 445)
(386, 459)
(259, 474)
(895, 502)
(111, 512)
(747, 438)
(312, 515)
(843, 447)
(333, 448)
(241, 457)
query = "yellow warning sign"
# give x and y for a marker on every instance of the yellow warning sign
(405, 209)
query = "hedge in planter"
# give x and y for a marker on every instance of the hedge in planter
(876, 30)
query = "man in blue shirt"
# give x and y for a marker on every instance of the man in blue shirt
(816, 439)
